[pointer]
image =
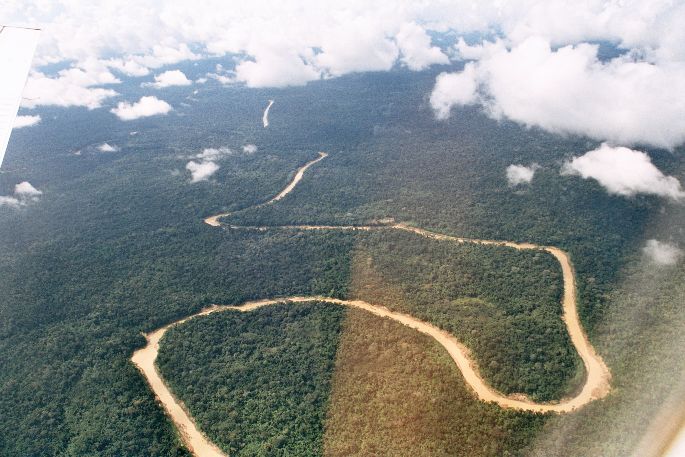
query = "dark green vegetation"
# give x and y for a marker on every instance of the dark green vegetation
(641, 337)
(116, 246)
(397, 392)
(502, 303)
(257, 383)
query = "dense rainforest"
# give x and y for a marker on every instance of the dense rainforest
(501, 303)
(115, 246)
(257, 383)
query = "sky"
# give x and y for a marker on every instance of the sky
(536, 64)
(539, 66)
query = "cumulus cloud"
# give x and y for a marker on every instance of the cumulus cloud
(214, 153)
(358, 46)
(76, 86)
(272, 69)
(150, 33)
(170, 78)
(569, 90)
(521, 174)
(623, 171)
(203, 168)
(128, 67)
(201, 171)
(453, 89)
(12, 202)
(249, 149)
(24, 192)
(466, 51)
(26, 121)
(532, 76)
(72, 87)
(167, 54)
(106, 147)
(661, 253)
(26, 189)
(416, 49)
(146, 106)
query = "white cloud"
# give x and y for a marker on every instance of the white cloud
(468, 52)
(214, 153)
(71, 88)
(452, 89)
(201, 171)
(12, 202)
(636, 99)
(162, 55)
(272, 70)
(170, 78)
(24, 192)
(521, 174)
(25, 189)
(151, 33)
(106, 147)
(128, 67)
(223, 79)
(416, 49)
(146, 106)
(570, 91)
(661, 253)
(26, 121)
(357, 46)
(625, 172)
(249, 149)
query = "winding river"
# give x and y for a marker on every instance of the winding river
(265, 116)
(597, 375)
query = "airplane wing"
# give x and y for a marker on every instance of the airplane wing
(17, 46)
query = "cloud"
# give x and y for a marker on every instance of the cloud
(465, 51)
(24, 192)
(71, 88)
(206, 166)
(106, 147)
(453, 89)
(201, 171)
(26, 121)
(214, 153)
(12, 202)
(158, 33)
(249, 149)
(356, 46)
(532, 76)
(270, 69)
(168, 79)
(661, 253)
(625, 172)
(128, 67)
(146, 106)
(416, 49)
(222, 78)
(162, 55)
(520, 174)
(25, 189)
(569, 90)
